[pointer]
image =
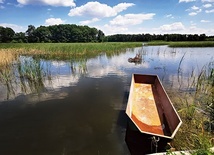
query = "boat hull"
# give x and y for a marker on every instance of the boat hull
(151, 115)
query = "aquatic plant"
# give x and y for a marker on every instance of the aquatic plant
(182, 43)
(7, 57)
(196, 110)
(31, 74)
(7, 79)
(192, 44)
(62, 51)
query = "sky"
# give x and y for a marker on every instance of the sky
(113, 16)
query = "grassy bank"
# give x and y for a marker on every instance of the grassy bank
(65, 50)
(196, 109)
(71, 47)
(183, 43)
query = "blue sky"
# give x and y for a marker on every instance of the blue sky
(113, 16)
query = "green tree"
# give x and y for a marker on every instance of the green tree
(20, 37)
(202, 37)
(1, 33)
(100, 36)
(43, 34)
(6, 34)
(31, 37)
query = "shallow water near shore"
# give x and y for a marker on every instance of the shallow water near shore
(78, 107)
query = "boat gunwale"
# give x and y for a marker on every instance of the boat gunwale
(128, 108)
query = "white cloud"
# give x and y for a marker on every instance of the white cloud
(54, 21)
(19, 5)
(169, 16)
(196, 30)
(49, 2)
(1, 1)
(199, 10)
(98, 10)
(193, 29)
(122, 6)
(86, 22)
(179, 28)
(207, 5)
(194, 7)
(16, 5)
(195, 10)
(131, 19)
(112, 29)
(205, 21)
(186, 1)
(193, 13)
(172, 27)
(15, 27)
(210, 11)
(124, 26)
(207, 1)
(2, 7)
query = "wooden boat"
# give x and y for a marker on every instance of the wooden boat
(153, 119)
(150, 108)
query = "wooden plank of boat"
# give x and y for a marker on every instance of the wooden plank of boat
(150, 108)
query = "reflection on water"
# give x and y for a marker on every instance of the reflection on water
(77, 106)
(82, 122)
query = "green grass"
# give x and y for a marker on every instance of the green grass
(157, 43)
(183, 43)
(68, 49)
(196, 110)
(192, 44)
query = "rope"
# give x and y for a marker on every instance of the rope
(154, 142)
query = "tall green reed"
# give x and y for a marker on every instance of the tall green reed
(197, 112)
(67, 50)
(7, 79)
(31, 74)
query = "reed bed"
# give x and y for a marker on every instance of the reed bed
(7, 57)
(6, 72)
(183, 43)
(192, 44)
(30, 75)
(196, 109)
(67, 50)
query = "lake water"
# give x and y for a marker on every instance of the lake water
(78, 107)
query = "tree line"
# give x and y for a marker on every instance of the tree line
(66, 33)
(63, 33)
(165, 37)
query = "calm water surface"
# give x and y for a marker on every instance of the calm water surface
(78, 107)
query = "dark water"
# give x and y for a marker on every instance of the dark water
(84, 121)
(79, 106)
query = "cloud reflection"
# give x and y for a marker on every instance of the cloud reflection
(160, 60)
